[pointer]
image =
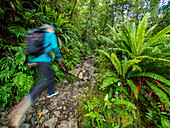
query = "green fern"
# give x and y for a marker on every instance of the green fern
(128, 64)
(165, 121)
(17, 30)
(140, 34)
(115, 61)
(108, 81)
(1, 11)
(158, 36)
(109, 41)
(153, 75)
(163, 97)
(123, 102)
(133, 88)
(149, 32)
(114, 33)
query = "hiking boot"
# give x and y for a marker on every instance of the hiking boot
(55, 93)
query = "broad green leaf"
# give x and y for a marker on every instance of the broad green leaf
(108, 81)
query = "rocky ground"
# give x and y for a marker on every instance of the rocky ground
(59, 111)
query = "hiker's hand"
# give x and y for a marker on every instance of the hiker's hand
(64, 68)
(60, 60)
(32, 64)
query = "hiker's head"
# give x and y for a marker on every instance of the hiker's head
(49, 28)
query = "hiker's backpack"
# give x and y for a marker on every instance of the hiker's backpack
(34, 42)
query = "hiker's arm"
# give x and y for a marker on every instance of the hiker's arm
(55, 47)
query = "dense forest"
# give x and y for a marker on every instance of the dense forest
(130, 39)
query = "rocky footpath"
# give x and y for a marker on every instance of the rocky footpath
(59, 111)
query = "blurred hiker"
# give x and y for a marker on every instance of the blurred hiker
(44, 72)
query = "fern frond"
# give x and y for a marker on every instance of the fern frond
(17, 30)
(116, 63)
(108, 81)
(123, 102)
(149, 32)
(133, 88)
(163, 97)
(128, 64)
(1, 11)
(165, 121)
(109, 41)
(153, 75)
(114, 33)
(19, 79)
(161, 60)
(158, 36)
(140, 34)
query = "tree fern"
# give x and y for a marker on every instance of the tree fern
(163, 97)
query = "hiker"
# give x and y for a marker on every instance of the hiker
(45, 73)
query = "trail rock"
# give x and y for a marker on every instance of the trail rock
(45, 111)
(76, 83)
(33, 119)
(75, 72)
(24, 125)
(41, 120)
(80, 75)
(68, 124)
(65, 81)
(51, 123)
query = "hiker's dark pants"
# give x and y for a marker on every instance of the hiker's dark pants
(45, 80)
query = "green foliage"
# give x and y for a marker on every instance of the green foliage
(155, 76)
(104, 112)
(17, 30)
(155, 117)
(163, 97)
(16, 78)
